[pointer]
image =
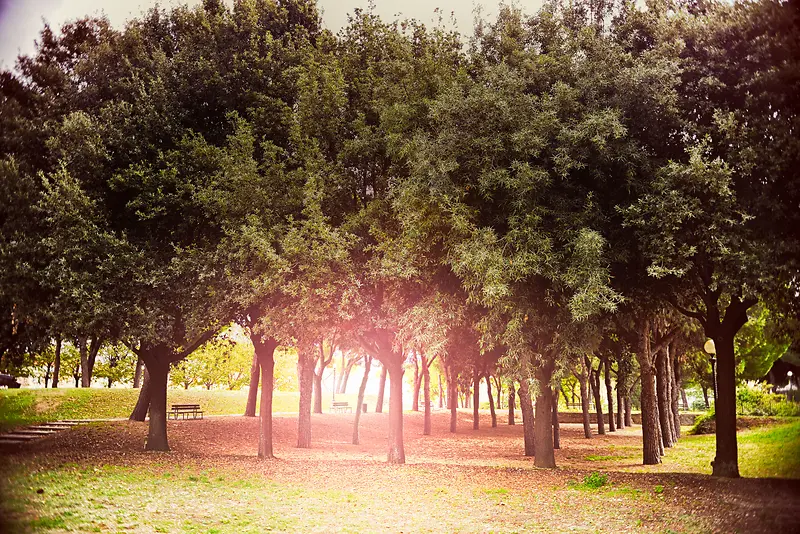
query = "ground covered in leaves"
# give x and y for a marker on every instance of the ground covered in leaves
(97, 478)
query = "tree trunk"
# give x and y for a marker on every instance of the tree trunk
(339, 388)
(594, 380)
(606, 362)
(47, 374)
(158, 369)
(350, 363)
(583, 379)
(726, 461)
(426, 392)
(491, 401)
(705, 396)
(83, 351)
(476, 392)
(318, 391)
(381, 389)
(498, 384)
(628, 414)
(137, 374)
(511, 402)
(620, 407)
(662, 394)
(556, 427)
(139, 412)
(528, 421)
(452, 397)
(57, 363)
(674, 374)
(441, 393)
(683, 396)
(252, 392)
(265, 361)
(397, 453)
(361, 390)
(543, 433)
(305, 378)
(650, 439)
(417, 384)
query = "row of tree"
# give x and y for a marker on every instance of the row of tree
(598, 178)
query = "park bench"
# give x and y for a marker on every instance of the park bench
(185, 410)
(341, 406)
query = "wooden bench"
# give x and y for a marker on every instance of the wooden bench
(341, 406)
(185, 410)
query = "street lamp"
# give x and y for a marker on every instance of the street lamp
(789, 374)
(711, 349)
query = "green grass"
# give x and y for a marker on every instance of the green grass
(28, 406)
(769, 451)
(114, 498)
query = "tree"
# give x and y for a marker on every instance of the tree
(115, 363)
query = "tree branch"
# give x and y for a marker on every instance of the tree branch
(194, 345)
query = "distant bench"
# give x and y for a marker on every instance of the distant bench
(185, 410)
(341, 406)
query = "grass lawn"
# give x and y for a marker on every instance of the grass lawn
(28, 406)
(96, 478)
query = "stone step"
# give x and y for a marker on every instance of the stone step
(49, 426)
(20, 436)
(11, 441)
(70, 422)
(36, 431)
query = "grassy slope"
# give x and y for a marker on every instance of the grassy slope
(27, 406)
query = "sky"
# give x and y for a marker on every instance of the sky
(22, 20)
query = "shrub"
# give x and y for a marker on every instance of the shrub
(704, 424)
(753, 398)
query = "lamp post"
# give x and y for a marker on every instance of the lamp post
(333, 389)
(711, 349)
(789, 374)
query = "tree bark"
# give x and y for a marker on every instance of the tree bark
(609, 392)
(339, 388)
(476, 392)
(252, 392)
(83, 352)
(441, 393)
(361, 390)
(305, 376)
(543, 433)
(381, 390)
(137, 374)
(139, 412)
(556, 426)
(158, 369)
(426, 392)
(628, 414)
(452, 397)
(265, 361)
(650, 439)
(57, 362)
(674, 374)
(397, 454)
(662, 393)
(318, 391)
(346, 375)
(417, 384)
(512, 400)
(594, 379)
(726, 461)
(705, 396)
(528, 420)
(583, 380)
(498, 384)
(620, 407)
(491, 401)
